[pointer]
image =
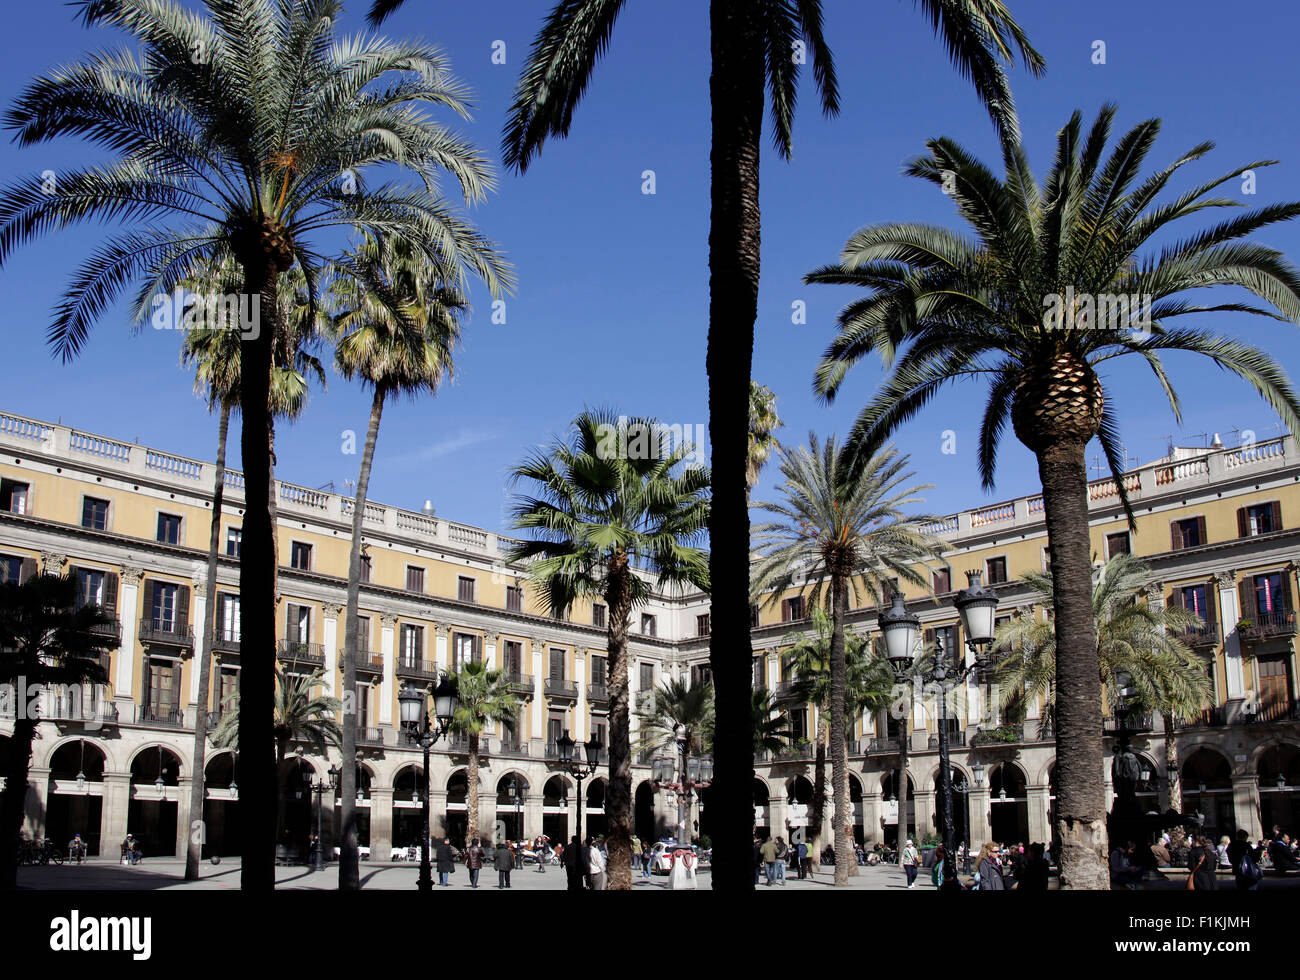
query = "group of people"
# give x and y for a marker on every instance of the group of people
(1239, 856)
(997, 868)
(772, 855)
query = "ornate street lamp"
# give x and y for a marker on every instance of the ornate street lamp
(317, 788)
(577, 767)
(419, 730)
(682, 777)
(902, 630)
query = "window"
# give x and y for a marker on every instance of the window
(513, 658)
(11, 568)
(648, 626)
(94, 514)
(941, 580)
(945, 637)
(300, 555)
(792, 608)
(414, 578)
(412, 645)
(227, 688)
(1270, 595)
(1117, 544)
(14, 496)
(597, 615)
(169, 529)
(467, 647)
(163, 607)
(1195, 600)
(798, 724)
(701, 674)
(598, 731)
(514, 599)
(759, 679)
(161, 684)
(599, 672)
(995, 570)
(1047, 559)
(555, 727)
(229, 616)
(365, 568)
(465, 588)
(297, 623)
(557, 664)
(363, 709)
(363, 634)
(234, 541)
(1187, 533)
(754, 619)
(90, 587)
(1259, 519)
(647, 672)
(702, 624)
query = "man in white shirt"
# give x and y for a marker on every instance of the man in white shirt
(596, 860)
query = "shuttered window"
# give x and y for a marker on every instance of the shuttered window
(1187, 533)
(1259, 519)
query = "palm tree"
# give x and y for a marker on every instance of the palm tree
(751, 48)
(1144, 641)
(844, 527)
(763, 423)
(942, 307)
(771, 724)
(482, 697)
(247, 129)
(300, 715)
(614, 504)
(213, 352)
(399, 321)
(47, 640)
(868, 687)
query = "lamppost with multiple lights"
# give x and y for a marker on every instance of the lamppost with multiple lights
(975, 604)
(578, 768)
(419, 730)
(696, 772)
(317, 788)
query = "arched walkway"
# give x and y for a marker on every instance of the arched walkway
(1279, 787)
(152, 812)
(455, 820)
(1008, 803)
(75, 801)
(1207, 789)
(555, 808)
(408, 806)
(889, 784)
(220, 805)
(960, 807)
(512, 795)
(644, 814)
(593, 814)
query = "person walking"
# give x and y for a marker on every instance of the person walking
(539, 853)
(596, 860)
(446, 858)
(805, 859)
(911, 861)
(637, 852)
(989, 869)
(1244, 860)
(575, 865)
(1201, 861)
(503, 860)
(768, 853)
(474, 861)
(1033, 873)
(782, 855)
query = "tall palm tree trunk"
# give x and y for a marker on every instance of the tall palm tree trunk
(1171, 766)
(197, 783)
(818, 820)
(1080, 802)
(839, 745)
(349, 851)
(471, 792)
(263, 255)
(14, 798)
(618, 796)
(736, 87)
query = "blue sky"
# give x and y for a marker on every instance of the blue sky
(611, 307)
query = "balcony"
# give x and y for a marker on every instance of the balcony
(514, 750)
(69, 709)
(112, 630)
(880, 746)
(999, 735)
(160, 717)
(558, 689)
(167, 632)
(1216, 717)
(521, 684)
(460, 746)
(1274, 712)
(1268, 626)
(955, 739)
(598, 694)
(797, 753)
(367, 662)
(370, 737)
(1208, 636)
(301, 652)
(417, 670)
(786, 690)
(225, 643)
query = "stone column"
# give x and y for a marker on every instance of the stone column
(1038, 802)
(183, 828)
(438, 807)
(381, 823)
(330, 612)
(442, 644)
(113, 813)
(491, 641)
(539, 666)
(871, 831)
(581, 726)
(388, 626)
(129, 604)
(36, 801)
(532, 812)
(926, 813)
(1245, 804)
(981, 827)
(202, 644)
(1229, 613)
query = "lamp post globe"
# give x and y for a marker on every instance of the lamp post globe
(901, 630)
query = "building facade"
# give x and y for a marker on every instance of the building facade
(133, 523)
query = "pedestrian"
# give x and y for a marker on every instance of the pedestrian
(1244, 861)
(989, 869)
(1123, 873)
(805, 860)
(1222, 852)
(758, 858)
(782, 855)
(637, 853)
(1033, 873)
(575, 865)
(517, 851)
(596, 860)
(1201, 861)
(911, 861)
(768, 853)
(937, 869)
(503, 861)
(474, 861)
(539, 853)
(446, 858)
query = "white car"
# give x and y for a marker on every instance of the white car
(661, 856)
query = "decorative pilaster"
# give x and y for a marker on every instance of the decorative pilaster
(1225, 582)
(53, 562)
(388, 625)
(129, 606)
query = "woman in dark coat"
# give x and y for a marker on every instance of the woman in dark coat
(474, 861)
(1201, 860)
(990, 870)
(575, 864)
(446, 858)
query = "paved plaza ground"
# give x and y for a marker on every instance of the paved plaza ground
(168, 873)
